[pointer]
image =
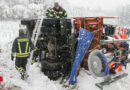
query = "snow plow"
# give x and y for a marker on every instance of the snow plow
(64, 46)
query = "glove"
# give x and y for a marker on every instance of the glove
(12, 57)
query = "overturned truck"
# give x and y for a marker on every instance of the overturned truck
(54, 46)
(58, 39)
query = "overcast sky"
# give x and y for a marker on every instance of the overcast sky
(104, 4)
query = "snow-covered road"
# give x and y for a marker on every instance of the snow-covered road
(37, 80)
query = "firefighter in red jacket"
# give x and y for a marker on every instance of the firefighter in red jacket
(56, 12)
(20, 48)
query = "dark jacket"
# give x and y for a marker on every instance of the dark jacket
(21, 46)
(53, 13)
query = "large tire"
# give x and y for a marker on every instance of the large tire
(53, 75)
(50, 66)
(51, 60)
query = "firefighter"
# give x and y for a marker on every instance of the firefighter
(20, 48)
(56, 12)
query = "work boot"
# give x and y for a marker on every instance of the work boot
(22, 76)
(26, 76)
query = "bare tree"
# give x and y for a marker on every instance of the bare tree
(124, 14)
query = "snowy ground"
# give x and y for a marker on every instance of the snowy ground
(37, 80)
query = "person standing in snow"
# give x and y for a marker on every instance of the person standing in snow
(56, 12)
(20, 48)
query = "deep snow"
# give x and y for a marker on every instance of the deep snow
(37, 80)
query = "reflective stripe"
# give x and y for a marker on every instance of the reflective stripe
(33, 61)
(55, 12)
(61, 12)
(49, 9)
(40, 38)
(23, 40)
(35, 49)
(21, 54)
(51, 15)
(57, 16)
(19, 47)
(26, 47)
(65, 14)
(20, 69)
(52, 10)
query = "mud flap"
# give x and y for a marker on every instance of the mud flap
(84, 40)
